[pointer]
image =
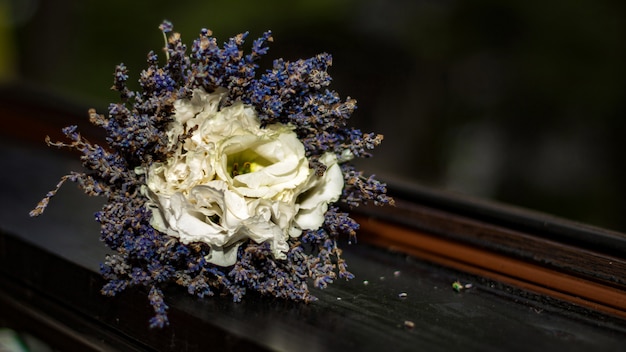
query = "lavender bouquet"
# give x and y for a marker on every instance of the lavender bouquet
(219, 179)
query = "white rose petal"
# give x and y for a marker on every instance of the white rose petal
(319, 193)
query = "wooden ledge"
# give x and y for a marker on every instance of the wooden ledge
(542, 279)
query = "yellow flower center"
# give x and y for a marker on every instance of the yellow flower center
(245, 162)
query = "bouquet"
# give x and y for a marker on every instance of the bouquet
(221, 179)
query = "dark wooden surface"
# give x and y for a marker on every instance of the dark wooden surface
(49, 284)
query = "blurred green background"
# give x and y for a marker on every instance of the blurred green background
(517, 101)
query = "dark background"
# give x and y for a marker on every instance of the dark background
(517, 101)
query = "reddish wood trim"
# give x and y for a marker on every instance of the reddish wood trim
(537, 248)
(492, 265)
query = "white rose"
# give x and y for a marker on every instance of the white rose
(232, 180)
